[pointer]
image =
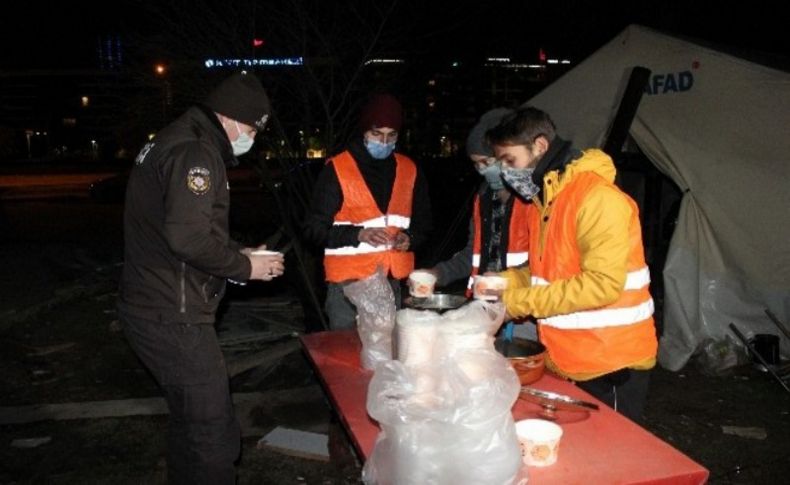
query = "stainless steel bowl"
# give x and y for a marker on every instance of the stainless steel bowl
(437, 302)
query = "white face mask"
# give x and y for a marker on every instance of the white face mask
(243, 143)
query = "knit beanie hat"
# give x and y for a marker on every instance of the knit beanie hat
(242, 98)
(381, 111)
(476, 143)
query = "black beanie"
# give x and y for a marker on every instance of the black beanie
(242, 98)
(476, 143)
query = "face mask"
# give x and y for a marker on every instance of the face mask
(521, 181)
(379, 150)
(243, 143)
(492, 174)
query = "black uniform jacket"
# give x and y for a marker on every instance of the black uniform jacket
(178, 252)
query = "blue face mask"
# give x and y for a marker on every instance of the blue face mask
(492, 174)
(243, 143)
(379, 150)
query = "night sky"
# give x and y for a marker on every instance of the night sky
(64, 34)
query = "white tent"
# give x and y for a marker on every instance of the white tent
(719, 127)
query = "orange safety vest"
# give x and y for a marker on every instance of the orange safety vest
(359, 208)
(599, 340)
(517, 238)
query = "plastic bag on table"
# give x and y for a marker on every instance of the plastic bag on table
(375, 304)
(447, 420)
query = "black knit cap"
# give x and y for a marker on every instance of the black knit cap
(476, 143)
(241, 97)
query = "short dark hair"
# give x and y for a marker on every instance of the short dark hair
(522, 127)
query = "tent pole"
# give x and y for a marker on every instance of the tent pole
(626, 111)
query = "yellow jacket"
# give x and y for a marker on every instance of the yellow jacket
(598, 266)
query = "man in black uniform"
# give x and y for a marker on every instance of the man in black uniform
(178, 255)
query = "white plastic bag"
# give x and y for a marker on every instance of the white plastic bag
(375, 304)
(447, 419)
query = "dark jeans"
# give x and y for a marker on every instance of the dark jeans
(342, 314)
(204, 439)
(625, 391)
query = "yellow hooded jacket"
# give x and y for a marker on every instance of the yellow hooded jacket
(587, 281)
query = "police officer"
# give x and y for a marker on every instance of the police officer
(178, 256)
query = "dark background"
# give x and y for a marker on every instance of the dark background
(63, 34)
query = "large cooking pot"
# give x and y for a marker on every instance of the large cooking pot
(526, 356)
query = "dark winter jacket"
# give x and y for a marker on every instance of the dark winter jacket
(178, 252)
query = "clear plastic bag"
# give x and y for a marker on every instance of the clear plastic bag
(375, 304)
(720, 357)
(447, 419)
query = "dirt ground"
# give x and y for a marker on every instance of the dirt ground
(60, 342)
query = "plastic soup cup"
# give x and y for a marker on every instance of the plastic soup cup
(421, 284)
(540, 441)
(489, 287)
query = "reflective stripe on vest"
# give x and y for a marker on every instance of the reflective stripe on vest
(365, 248)
(605, 317)
(359, 208)
(634, 280)
(518, 236)
(516, 259)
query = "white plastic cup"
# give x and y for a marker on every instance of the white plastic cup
(421, 284)
(539, 440)
(488, 288)
(265, 252)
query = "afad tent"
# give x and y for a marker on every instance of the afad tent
(719, 127)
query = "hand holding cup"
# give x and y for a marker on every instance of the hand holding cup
(489, 287)
(266, 265)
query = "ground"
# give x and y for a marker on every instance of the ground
(60, 342)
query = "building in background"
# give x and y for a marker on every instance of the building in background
(108, 111)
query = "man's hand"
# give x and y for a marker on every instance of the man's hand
(266, 267)
(402, 241)
(375, 236)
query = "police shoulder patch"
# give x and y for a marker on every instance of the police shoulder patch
(198, 180)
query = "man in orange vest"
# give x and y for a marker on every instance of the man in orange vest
(498, 237)
(587, 282)
(370, 209)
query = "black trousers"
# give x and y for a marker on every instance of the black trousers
(624, 390)
(204, 439)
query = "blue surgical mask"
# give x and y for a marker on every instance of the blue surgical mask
(243, 143)
(520, 179)
(492, 174)
(379, 150)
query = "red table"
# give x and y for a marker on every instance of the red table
(604, 448)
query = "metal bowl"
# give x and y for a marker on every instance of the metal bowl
(437, 302)
(527, 357)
